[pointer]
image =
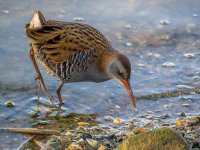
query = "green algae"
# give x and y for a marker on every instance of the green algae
(68, 122)
(163, 138)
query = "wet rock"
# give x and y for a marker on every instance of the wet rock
(158, 139)
(74, 146)
(9, 103)
(182, 114)
(86, 136)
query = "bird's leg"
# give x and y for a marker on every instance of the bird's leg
(39, 89)
(58, 90)
(39, 77)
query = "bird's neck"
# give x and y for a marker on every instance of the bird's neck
(106, 62)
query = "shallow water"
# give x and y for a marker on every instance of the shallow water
(164, 57)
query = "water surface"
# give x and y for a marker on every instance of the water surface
(164, 57)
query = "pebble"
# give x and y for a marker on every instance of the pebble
(194, 15)
(112, 136)
(118, 121)
(182, 114)
(189, 55)
(78, 19)
(191, 26)
(150, 112)
(168, 64)
(102, 147)
(129, 44)
(62, 11)
(140, 65)
(185, 105)
(193, 120)
(169, 106)
(157, 55)
(32, 113)
(69, 134)
(128, 26)
(74, 146)
(165, 124)
(119, 139)
(184, 87)
(117, 106)
(92, 142)
(6, 11)
(9, 103)
(165, 37)
(150, 116)
(165, 115)
(108, 118)
(83, 124)
(48, 111)
(164, 22)
(140, 130)
(81, 140)
(119, 36)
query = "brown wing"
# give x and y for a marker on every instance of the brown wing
(60, 40)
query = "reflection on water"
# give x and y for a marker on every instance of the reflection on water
(161, 40)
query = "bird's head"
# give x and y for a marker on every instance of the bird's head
(119, 68)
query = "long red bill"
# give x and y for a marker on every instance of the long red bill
(130, 92)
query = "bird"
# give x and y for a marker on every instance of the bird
(74, 52)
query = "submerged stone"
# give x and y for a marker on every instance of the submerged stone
(10, 104)
(158, 139)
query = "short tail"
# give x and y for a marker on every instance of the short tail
(38, 20)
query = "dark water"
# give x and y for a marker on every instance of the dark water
(134, 28)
